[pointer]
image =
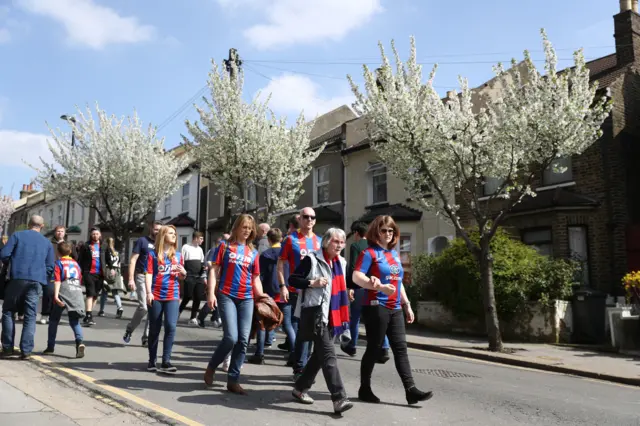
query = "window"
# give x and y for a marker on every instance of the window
(321, 184)
(404, 248)
(81, 213)
(491, 185)
(578, 249)
(558, 172)
(186, 188)
(540, 239)
(378, 182)
(167, 206)
(250, 196)
(59, 215)
(72, 213)
(51, 218)
(184, 239)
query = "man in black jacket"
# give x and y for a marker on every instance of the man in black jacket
(92, 279)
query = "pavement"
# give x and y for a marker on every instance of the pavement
(580, 360)
(30, 395)
(467, 391)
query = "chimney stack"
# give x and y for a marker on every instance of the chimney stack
(625, 5)
(627, 33)
(27, 189)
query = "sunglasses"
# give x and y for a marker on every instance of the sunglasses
(387, 231)
(308, 217)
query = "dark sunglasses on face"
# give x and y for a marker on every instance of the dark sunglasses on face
(387, 231)
(308, 217)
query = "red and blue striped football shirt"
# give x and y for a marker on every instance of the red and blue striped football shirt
(95, 259)
(295, 247)
(239, 265)
(384, 264)
(66, 269)
(164, 283)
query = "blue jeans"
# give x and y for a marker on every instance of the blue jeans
(260, 340)
(287, 325)
(54, 320)
(354, 326)
(20, 294)
(157, 311)
(237, 315)
(301, 350)
(103, 299)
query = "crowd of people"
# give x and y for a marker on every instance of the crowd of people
(254, 277)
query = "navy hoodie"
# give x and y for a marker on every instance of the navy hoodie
(269, 271)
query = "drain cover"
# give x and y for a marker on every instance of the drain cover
(445, 374)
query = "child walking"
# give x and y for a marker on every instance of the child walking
(67, 294)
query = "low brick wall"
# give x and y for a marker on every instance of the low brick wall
(533, 325)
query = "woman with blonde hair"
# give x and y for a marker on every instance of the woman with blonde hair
(379, 270)
(164, 269)
(236, 263)
(112, 277)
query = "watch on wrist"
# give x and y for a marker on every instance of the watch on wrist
(283, 285)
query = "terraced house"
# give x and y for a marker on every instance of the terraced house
(591, 211)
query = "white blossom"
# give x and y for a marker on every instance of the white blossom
(445, 147)
(116, 166)
(6, 210)
(238, 143)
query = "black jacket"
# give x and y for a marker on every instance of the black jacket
(85, 258)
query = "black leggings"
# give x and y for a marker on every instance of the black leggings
(193, 290)
(378, 322)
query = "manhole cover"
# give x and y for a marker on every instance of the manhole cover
(445, 374)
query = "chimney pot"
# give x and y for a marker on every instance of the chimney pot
(625, 5)
(24, 186)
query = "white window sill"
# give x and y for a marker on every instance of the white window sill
(558, 185)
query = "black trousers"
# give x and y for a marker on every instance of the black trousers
(378, 322)
(47, 298)
(193, 290)
(324, 357)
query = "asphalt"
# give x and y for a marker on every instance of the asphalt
(467, 391)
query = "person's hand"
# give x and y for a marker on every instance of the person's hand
(284, 294)
(387, 289)
(212, 302)
(58, 302)
(319, 283)
(132, 285)
(181, 270)
(409, 313)
(149, 298)
(352, 295)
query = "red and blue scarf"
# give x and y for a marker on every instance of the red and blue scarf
(339, 306)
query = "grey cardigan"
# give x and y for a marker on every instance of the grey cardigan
(313, 296)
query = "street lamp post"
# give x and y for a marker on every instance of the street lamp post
(71, 119)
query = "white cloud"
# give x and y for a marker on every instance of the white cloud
(20, 147)
(291, 94)
(290, 22)
(91, 24)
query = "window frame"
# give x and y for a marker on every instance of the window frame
(250, 195)
(488, 181)
(563, 178)
(167, 207)
(374, 170)
(583, 276)
(542, 242)
(187, 186)
(317, 184)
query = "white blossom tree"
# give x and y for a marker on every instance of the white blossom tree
(445, 150)
(240, 143)
(114, 166)
(6, 210)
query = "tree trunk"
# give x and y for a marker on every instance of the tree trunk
(489, 299)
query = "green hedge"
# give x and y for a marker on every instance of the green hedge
(520, 275)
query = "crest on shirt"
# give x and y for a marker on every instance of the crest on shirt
(394, 269)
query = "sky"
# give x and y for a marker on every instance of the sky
(153, 57)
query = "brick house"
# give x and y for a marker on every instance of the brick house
(591, 212)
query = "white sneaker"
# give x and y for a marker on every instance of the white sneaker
(133, 296)
(193, 321)
(226, 363)
(43, 320)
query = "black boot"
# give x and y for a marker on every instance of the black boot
(365, 394)
(414, 395)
